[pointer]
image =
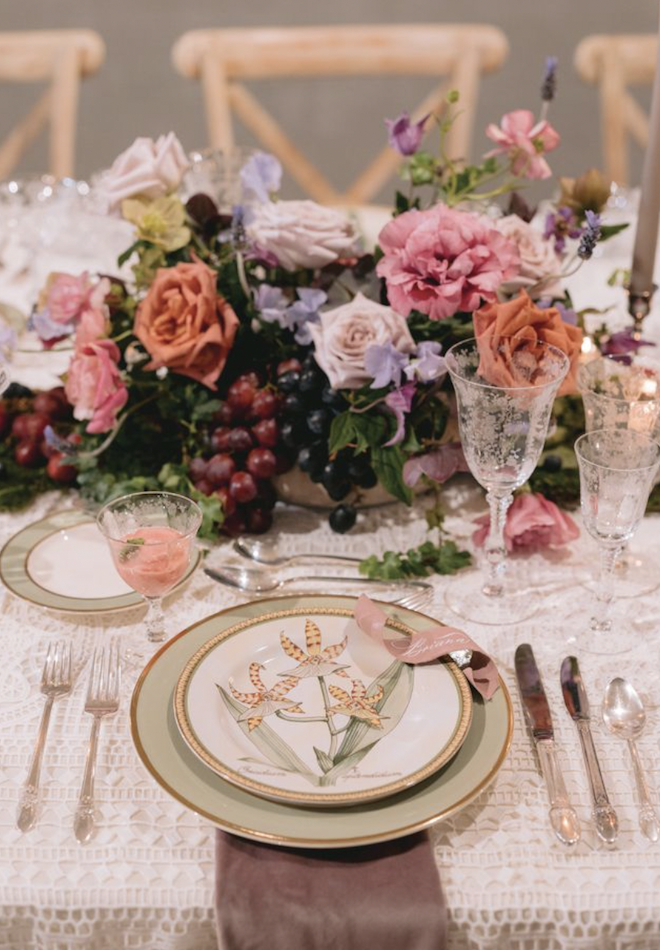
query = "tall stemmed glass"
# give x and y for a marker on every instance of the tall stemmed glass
(505, 389)
(624, 396)
(617, 471)
(152, 541)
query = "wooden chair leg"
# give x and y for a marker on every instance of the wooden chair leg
(63, 111)
(22, 135)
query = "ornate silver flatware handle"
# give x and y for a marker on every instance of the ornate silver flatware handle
(29, 800)
(83, 822)
(563, 818)
(605, 818)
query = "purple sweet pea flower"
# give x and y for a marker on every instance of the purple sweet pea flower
(47, 329)
(400, 402)
(385, 363)
(56, 442)
(428, 364)
(272, 303)
(623, 345)
(438, 466)
(567, 314)
(405, 136)
(303, 312)
(560, 225)
(261, 176)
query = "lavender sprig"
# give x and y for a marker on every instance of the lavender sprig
(549, 84)
(590, 235)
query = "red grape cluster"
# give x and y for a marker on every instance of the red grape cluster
(245, 456)
(27, 428)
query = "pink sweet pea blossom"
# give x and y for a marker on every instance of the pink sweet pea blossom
(532, 523)
(438, 466)
(400, 402)
(525, 142)
(441, 261)
(94, 385)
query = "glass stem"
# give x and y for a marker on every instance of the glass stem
(155, 620)
(601, 620)
(495, 546)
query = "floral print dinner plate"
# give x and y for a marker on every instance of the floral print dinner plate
(63, 562)
(300, 705)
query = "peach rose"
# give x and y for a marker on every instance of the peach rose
(522, 324)
(184, 324)
(94, 385)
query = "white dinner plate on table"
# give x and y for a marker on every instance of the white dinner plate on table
(63, 562)
(189, 780)
(300, 705)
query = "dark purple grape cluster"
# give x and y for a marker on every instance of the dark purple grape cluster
(309, 405)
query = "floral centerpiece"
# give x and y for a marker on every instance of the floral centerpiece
(240, 346)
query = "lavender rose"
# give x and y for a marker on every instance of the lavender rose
(344, 334)
(538, 260)
(301, 233)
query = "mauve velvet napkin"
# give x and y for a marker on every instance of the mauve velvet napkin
(386, 896)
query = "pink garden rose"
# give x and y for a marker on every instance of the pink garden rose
(148, 168)
(66, 296)
(94, 386)
(539, 264)
(532, 523)
(441, 261)
(344, 334)
(525, 141)
(93, 325)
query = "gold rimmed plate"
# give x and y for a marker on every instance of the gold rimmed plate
(183, 775)
(63, 562)
(300, 705)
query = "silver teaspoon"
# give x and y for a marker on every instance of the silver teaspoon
(266, 552)
(624, 716)
(255, 581)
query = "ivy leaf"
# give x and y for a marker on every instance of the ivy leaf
(422, 561)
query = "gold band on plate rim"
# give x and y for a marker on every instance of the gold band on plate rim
(269, 837)
(327, 798)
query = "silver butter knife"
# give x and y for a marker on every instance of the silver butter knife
(563, 818)
(575, 698)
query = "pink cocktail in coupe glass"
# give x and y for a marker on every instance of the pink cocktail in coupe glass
(152, 541)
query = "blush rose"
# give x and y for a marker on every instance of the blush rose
(301, 233)
(148, 168)
(94, 385)
(532, 524)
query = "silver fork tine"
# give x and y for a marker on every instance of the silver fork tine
(48, 665)
(93, 675)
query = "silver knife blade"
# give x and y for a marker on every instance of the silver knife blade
(577, 704)
(563, 818)
(535, 702)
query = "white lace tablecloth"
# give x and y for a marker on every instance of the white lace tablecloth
(146, 880)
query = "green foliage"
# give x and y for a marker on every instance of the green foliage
(361, 431)
(19, 486)
(387, 463)
(422, 561)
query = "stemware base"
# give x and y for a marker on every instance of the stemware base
(635, 575)
(465, 597)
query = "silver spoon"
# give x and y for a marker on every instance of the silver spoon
(256, 581)
(265, 552)
(624, 716)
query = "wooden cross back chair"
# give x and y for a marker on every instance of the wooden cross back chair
(613, 63)
(224, 59)
(60, 58)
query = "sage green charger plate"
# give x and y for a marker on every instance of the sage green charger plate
(181, 773)
(63, 562)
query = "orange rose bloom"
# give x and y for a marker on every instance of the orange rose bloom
(524, 324)
(184, 324)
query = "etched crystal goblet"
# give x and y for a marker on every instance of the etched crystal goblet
(505, 389)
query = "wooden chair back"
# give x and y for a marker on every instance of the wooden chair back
(223, 59)
(60, 58)
(613, 63)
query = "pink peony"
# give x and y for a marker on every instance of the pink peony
(94, 386)
(532, 523)
(441, 261)
(525, 142)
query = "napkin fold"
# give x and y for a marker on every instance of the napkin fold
(422, 646)
(382, 895)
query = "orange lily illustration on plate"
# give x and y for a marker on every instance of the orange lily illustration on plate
(358, 704)
(317, 661)
(264, 702)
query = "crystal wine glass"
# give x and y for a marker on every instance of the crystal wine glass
(617, 471)
(624, 395)
(151, 537)
(505, 389)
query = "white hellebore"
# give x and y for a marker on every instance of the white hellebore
(301, 233)
(344, 334)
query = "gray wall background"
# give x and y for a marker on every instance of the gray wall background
(338, 122)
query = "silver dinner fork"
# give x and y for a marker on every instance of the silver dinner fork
(56, 681)
(102, 700)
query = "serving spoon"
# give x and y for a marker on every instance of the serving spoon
(266, 552)
(255, 581)
(624, 716)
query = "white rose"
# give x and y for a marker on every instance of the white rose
(344, 334)
(301, 233)
(538, 259)
(146, 168)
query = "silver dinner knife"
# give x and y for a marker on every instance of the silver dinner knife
(563, 818)
(577, 704)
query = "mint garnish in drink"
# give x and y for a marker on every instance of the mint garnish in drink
(131, 549)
